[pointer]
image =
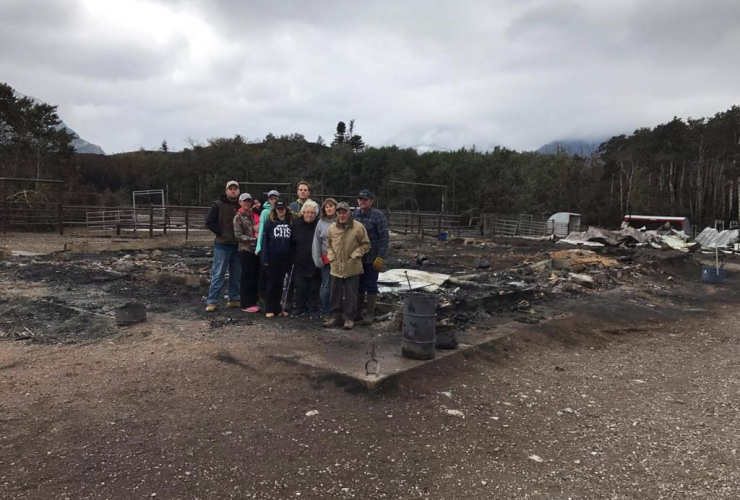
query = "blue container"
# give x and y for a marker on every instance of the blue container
(443, 236)
(710, 274)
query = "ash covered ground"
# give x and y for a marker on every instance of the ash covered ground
(620, 382)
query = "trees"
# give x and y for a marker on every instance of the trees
(32, 138)
(346, 138)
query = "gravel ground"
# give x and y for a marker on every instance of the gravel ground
(641, 412)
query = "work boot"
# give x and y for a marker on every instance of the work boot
(331, 322)
(211, 308)
(369, 316)
(348, 324)
(360, 303)
(234, 304)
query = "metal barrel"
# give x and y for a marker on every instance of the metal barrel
(419, 320)
(130, 314)
(711, 274)
(446, 338)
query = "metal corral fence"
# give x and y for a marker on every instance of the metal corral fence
(151, 219)
(524, 225)
(431, 224)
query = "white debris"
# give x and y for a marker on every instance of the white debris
(446, 393)
(456, 413)
(312, 413)
(535, 458)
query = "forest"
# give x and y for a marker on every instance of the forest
(686, 167)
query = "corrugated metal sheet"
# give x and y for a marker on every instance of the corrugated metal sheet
(711, 238)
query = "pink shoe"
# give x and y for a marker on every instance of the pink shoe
(253, 309)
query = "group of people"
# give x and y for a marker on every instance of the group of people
(298, 258)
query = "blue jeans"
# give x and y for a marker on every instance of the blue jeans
(369, 279)
(325, 289)
(224, 259)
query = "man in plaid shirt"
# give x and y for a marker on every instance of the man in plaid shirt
(372, 263)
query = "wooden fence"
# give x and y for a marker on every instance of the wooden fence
(151, 220)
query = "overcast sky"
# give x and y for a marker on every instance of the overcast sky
(440, 75)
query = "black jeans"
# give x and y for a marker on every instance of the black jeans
(276, 272)
(344, 296)
(250, 278)
(307, 289)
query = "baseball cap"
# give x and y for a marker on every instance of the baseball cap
(245, 196)
(280, 204)
(273, 193)
(342, 206)
(231, 183)
(366, 193)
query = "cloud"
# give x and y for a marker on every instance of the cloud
(129, 73)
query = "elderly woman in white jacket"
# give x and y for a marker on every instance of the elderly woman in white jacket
(319, 249)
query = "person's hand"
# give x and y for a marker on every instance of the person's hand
(378, 264)
(325, 259)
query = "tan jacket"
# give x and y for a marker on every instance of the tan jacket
(345, 248)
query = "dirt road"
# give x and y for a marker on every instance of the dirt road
(574, 408)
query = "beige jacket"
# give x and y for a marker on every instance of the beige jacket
(345, 248)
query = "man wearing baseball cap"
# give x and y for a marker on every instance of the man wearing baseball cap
(347, 242)
(372, 263)
(220, 221)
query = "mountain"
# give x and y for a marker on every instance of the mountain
(573, 147)
(81, 145)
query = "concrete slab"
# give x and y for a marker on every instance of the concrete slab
(346, 353)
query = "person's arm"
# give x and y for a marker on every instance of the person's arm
(316, 248)
(212, 220)
(330, 253)
(384, 237)
(238, 229)
(260, 232)
(263, 243)
(364, 244)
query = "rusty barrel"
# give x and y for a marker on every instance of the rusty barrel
(419, 326)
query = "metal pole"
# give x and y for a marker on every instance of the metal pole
(151, 221)
(61, 209)
(187, 223)
(6, 206)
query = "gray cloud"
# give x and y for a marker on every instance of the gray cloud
(414, 73)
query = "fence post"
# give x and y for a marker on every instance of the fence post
(6, 207)
(187, 222)
(165, 213)
(151, 221)
(61, 218)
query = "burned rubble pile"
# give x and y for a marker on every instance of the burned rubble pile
(474, 281)
(83, 290)
(486, 279)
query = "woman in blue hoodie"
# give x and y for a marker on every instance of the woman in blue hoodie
(275, 255)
